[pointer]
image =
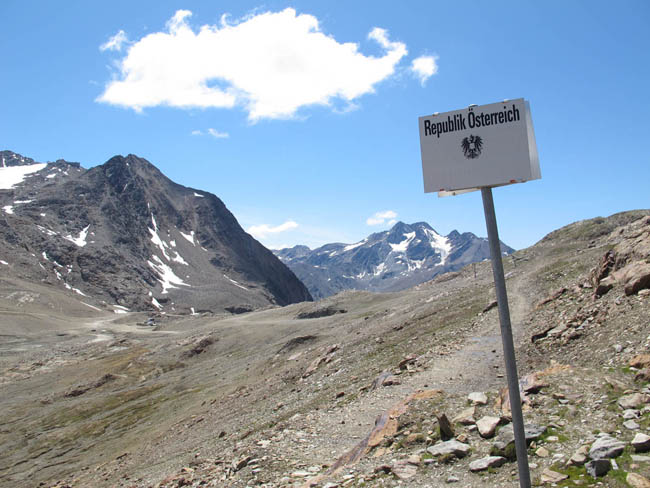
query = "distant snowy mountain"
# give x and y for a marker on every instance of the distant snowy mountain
(396, 259)
(123, 236)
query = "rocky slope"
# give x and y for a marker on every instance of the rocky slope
(123, 236)
(360, 389)
(397, 259)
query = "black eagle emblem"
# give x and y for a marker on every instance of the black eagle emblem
(472, 146)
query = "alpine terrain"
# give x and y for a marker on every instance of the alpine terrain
(121, 236)
(393, 260)
(360, 389)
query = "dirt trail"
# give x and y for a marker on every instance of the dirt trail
(477, 365)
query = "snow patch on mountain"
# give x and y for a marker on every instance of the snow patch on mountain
(354, 246)
(46, 231)
(79, 241)
(166, 275)
(440, 243)
(402, 246)
(10, 176)
(235, 283)
(189, 237)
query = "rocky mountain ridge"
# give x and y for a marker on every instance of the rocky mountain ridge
(121, 235)
(396, 259)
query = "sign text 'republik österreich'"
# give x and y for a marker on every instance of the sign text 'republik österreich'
(488, 145)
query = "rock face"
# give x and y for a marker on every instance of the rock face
(124, 234)
(394, 260)
(627, 263)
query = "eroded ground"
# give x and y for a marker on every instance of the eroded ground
(270, 399)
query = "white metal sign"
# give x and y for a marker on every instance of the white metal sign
(480, 146)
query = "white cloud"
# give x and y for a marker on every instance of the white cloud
(381, 217)
(218, 134)
(424, 67)
(212, 132)
(272, 64)
(115, 43)
(263, 230)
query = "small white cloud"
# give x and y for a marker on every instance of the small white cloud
(211, 132)
(381, 217)
(270, 63)
(263, 230)
(424, 67)
(218, 134)
(115, 43)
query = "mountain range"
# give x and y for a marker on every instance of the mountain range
(393, 260)
(123, 236)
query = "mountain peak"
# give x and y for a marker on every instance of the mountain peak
(127, 235)
(10, 158)
(393, 260)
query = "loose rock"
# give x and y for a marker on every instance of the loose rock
(641, 443)
(446, 430)
(635, 400)
(487, 426)
(579, 457)
(637, 481)
(453, 447)
(477, 398)
(466, 417)
(606, 448)
(550, 476)
(598, 467)
(485, 463)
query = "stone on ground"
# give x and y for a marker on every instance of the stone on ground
(606, 448)
(634, 400)
(550, 476)
(466, 417)
(453, 447)
(598, 467)
(477, 398)
(485, 463)
(641, 443)
(487, 426)
(637, 481)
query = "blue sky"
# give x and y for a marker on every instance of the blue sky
(304, 122)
